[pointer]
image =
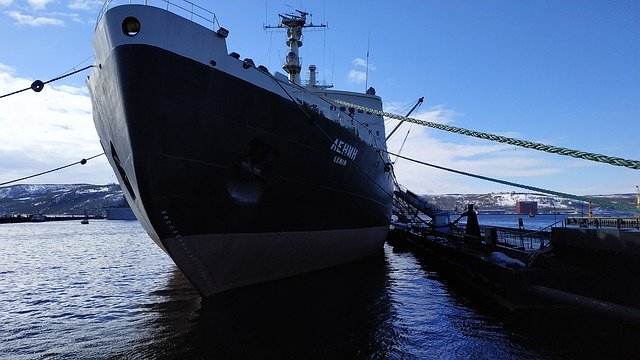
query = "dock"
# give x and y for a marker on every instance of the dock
(570, 267)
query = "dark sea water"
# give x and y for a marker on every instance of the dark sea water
(104, 290)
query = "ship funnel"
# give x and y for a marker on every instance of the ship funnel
(312, 75)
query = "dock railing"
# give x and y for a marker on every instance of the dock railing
(520, 239)
(183, 8)
(598, 222)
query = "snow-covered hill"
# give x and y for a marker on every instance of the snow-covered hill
(75, 199)
(506, 202)
(70, 199)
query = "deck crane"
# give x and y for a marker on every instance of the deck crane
(409, 113)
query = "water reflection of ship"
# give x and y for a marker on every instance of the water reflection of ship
(343, 312)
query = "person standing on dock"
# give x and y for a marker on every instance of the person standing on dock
(473, 227)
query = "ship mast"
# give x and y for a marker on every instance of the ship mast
(294, 25)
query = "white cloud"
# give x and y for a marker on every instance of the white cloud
(85, 4)
(73, 90)
(75, 17)
(45, 130)
(39, 4)
(5, 70)
(34, 21)
(357, 77)
(6, 2)
(359, 62)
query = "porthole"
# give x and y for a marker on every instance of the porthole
(130, 26)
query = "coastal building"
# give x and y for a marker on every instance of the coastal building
(526, 207)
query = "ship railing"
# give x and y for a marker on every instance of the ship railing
(183, 8)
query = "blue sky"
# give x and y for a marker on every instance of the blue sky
(565, 73)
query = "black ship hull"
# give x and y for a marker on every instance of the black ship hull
(236, 183)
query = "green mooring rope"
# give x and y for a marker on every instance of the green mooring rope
(632, 164)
